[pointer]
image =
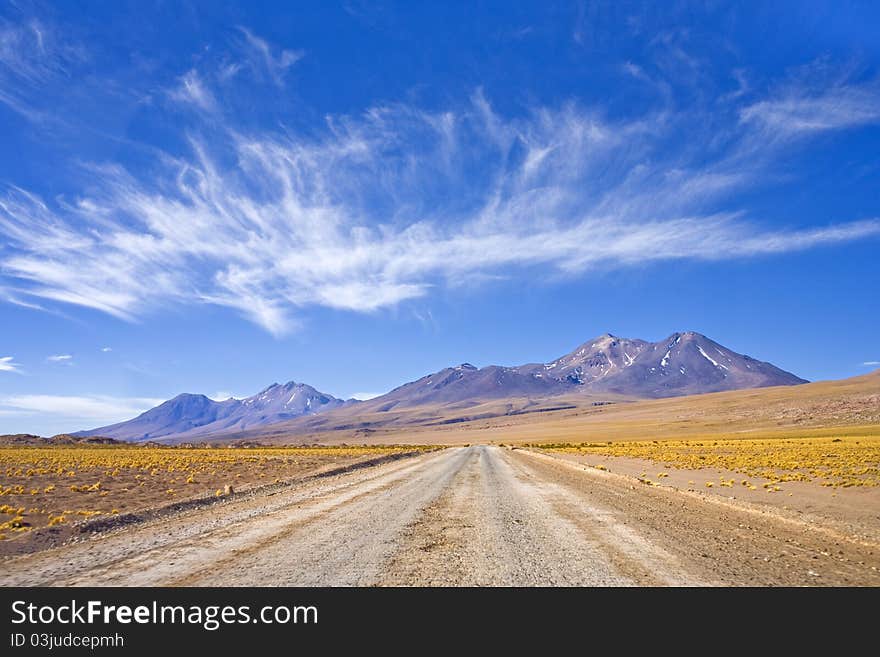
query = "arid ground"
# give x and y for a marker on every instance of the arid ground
(481, 515)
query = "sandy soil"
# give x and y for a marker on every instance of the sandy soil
(851, 511)
(465, 516)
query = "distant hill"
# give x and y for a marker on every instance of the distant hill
(192, 416)
(30, 440)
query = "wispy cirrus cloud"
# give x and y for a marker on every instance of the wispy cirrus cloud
(67, 411)
(263, 58)
(24, 50)
(364, 396)
(8, 364)
(192, 90)
(32, 57)
(801, 111)
(223, 395)
(871, 363)
(60, 358)
(250, 52)
(380, 208)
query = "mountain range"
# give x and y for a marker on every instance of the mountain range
(198, 415)
(683, 364)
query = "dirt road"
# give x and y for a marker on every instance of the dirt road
(466, 516)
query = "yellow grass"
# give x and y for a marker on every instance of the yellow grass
(843, 461)
(52, 486)
(25, 462)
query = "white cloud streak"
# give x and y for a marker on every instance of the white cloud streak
(7, 364)
(32, 57)
(106, 350)
(60, 358)
(383, 207)
(29, 52)
(799, 112)
(262, 58)
(871, 363)
(97, 409)
(223, 395)
(364, 396)
(192, 90)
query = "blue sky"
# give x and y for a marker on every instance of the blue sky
(209, 198)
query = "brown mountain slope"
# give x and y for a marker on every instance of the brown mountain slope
(820, 408)
(362, 421)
